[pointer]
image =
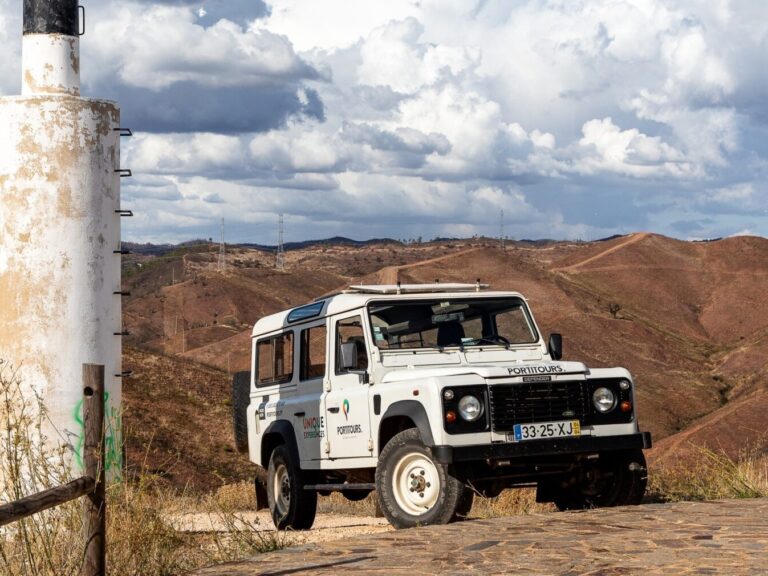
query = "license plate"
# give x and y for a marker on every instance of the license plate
(545, 430)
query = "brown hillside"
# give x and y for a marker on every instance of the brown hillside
(177, 422)
(688, 319)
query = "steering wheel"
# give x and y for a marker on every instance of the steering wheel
(494, 339)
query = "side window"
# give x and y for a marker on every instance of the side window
(274, 358)
(312, 353)
(351, 330)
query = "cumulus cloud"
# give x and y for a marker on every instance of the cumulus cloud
(176, 73)
(393, 56)
(630, 152)
(578, 119)
(158, 46)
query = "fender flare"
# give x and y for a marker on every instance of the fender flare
(416, 412)
(284, 429)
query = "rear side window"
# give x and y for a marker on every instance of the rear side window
(312, 353)
(274, 358)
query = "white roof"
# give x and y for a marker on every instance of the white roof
(359, 297)
(414, 288)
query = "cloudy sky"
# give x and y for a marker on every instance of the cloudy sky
(578, 119)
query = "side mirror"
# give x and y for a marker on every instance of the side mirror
(349, 355)
(555, 346)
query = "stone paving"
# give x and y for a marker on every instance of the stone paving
(726, 537)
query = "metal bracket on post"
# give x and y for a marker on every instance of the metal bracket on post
(123, 131)
(81, 27)
(124, 172)
(121, 251)
(121, 293)
(124, 374)
(124, 213)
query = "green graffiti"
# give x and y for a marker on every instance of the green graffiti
(113, 454)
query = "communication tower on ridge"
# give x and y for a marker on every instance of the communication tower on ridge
(501, 232)
(280, 257)
(222, 251)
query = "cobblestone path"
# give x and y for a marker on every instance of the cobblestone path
(725, 537)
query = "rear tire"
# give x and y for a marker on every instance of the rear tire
(412, 488)
(464, 506)
(290, 505)
(241, 399)
(620, 480)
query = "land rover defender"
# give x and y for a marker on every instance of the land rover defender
(430, 394)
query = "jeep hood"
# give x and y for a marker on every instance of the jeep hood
(488, 372)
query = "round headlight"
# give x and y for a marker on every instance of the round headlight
(470, 408)
(604, 400)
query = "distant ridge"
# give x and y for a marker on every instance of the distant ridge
(149, 248)
(333, 241)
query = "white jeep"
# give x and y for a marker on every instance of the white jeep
(429, 394)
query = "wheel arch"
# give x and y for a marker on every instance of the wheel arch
(279, 433)
(400, 416)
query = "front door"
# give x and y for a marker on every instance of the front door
(346, 403)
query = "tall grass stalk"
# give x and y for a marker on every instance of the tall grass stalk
(712, 475)
(140, 539)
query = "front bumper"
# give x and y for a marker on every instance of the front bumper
(534, 448)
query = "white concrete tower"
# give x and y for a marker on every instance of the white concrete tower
(60, 229)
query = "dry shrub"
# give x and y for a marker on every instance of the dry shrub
(509, 503)
(712, 475)
(140, 538)
(336, 503)
(237, 496)
(43, 543)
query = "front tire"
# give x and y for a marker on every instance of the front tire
(618, 481)
(290, 505)
(412, 488)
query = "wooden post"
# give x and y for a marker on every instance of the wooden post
(94, 513)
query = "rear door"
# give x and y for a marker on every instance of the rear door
(309, 416)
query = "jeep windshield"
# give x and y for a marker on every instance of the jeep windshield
(447, 322)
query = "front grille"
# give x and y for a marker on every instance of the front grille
(537, 402)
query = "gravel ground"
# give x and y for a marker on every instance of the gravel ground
(327, 527)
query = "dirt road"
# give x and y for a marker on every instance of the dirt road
(727, 537)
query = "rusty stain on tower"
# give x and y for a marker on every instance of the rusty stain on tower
(60, 284)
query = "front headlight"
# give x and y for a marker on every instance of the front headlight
(604, 400)
(470, 408)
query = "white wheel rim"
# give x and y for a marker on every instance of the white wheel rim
(281, 487)
(415, 484)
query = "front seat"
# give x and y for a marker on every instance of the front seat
(450, 334)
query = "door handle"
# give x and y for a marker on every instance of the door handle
(334, 410)
(299, 414)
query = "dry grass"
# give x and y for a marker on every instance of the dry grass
(140, 539)
(511, 502)
(712, 475)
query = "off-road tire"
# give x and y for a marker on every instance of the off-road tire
(241, 399)
(464, 507)
(625, 476)
(400, 468)
(290, 505)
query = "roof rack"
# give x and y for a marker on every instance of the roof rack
(415, 288)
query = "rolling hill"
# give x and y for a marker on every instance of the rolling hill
(688, 319)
